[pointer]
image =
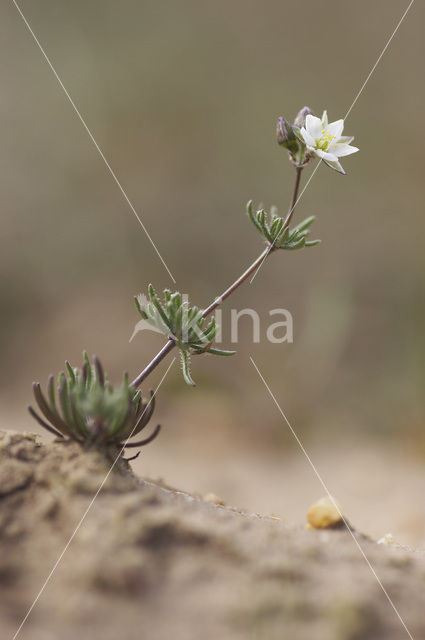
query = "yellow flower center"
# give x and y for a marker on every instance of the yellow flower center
(324, 141)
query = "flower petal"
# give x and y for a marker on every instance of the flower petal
(346, 139)
(308, 139)
(336, 128)
(313, 126)
(325, 155)
(341, 150)
(325, 120)
(335, 165)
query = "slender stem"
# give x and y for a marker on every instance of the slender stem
(217, 302)
(169, 345)
(237, 283)
(294, 197)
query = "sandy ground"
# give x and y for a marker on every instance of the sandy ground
(379, 483)
(151, 562)
(380, 490)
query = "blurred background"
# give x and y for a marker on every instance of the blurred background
(182, 97)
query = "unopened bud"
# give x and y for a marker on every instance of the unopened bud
(285, 135)
(301, 116)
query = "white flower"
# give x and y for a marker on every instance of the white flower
(325, 140)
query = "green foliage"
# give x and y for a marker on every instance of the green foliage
(84, 406)
(278, 234)
(182, 323)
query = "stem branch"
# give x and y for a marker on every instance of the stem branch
(294, 197)
(237, 283)
(169, 345)
(217, 302)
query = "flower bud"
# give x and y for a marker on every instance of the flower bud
(301, 116)
(285, 136)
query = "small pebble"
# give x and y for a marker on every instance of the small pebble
(324, 514)
(211, 497)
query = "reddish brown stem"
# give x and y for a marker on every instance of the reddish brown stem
(169, 345)
(217, 302)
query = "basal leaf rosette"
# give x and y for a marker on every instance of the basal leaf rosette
(83, 405)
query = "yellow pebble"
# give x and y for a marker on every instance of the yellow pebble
(323, 514)
(211, 497)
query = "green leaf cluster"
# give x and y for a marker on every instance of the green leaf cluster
(278, 234)
(182, 323)
(83, 405)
